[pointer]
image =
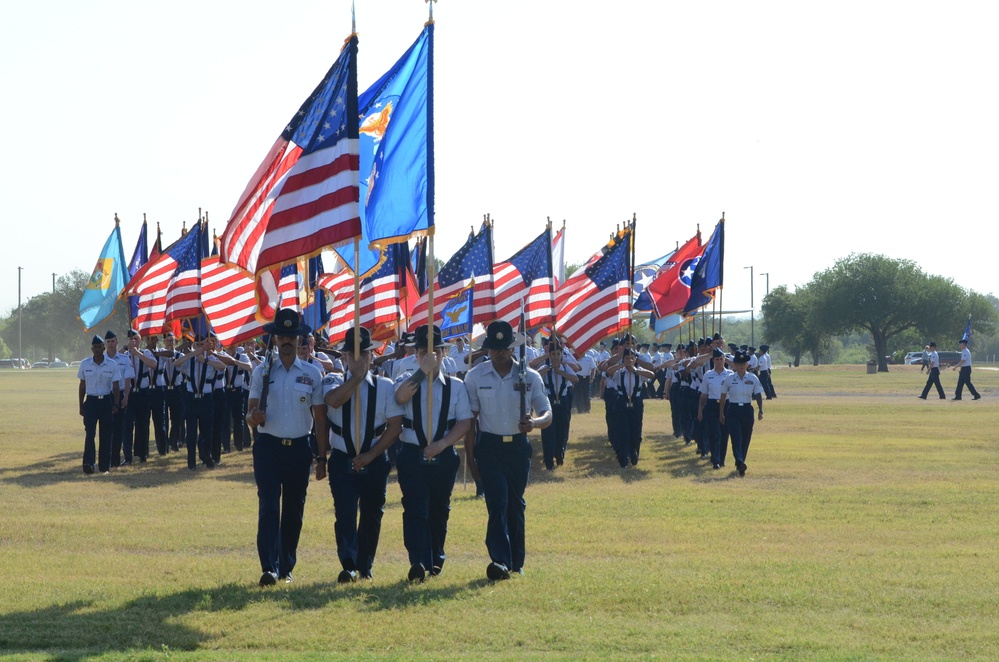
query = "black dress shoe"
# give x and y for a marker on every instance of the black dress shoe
(977, 397)
(88, 468)
(417, 573)
(715, 465)
(921, 397)
(497, 571)
(436, 571)
(346, 577)
(286, 578)
(142, 459)
(559, 460)
(955, 398)
(741, 466)
(268, 579)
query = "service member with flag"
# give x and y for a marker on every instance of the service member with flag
(427, 461)
(286, 400)
(502, 393)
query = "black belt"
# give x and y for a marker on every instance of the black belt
(740, 404)
(489, 436)
(407, 423)
(338, 431)
(97, 397)
(284, 441)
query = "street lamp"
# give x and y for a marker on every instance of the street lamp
(752, 310)
(767, 274)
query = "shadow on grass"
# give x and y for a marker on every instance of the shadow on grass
(78, 630)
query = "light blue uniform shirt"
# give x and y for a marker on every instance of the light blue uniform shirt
(385, 406)
(99, 379)
(712, 382)
(292, 394)
(740, 390)
(458, 407)
(497, 400)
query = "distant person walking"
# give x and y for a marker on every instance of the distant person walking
(964, 377)
(933, 376)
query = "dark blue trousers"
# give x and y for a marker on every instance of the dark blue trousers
(933, 379)
(964, 379)
(504, 468)
(555, 437)
(119, 430)
(174, 400)
(282, 476)
(97, 411)
(715, 433)
(238, 399)
(199, 414)
(426, 502)
(626, 437)
(137, 427)
(740, 419)
(353, 491)
(157, 410)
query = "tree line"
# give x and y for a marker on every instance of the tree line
(892, 300)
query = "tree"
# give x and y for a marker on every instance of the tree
(50, 321)
(789, 321)
(886, 297)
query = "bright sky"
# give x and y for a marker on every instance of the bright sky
(820, 129)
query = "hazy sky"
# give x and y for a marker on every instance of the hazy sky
(820, 129)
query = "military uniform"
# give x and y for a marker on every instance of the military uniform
(97, 384)
(119, 420)
(359, 495)
(282, 458)
(737, 395)
(427, 482)
(502, 453)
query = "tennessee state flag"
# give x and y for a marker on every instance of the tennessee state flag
(670, 289)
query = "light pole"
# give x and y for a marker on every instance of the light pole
(752, 310)
(19, 355)
(767, 274)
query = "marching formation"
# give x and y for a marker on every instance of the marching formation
(352, 415)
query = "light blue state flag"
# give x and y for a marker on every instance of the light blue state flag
(396, 155)
(106, 282)
(457, 315)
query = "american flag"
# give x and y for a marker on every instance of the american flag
(379, 295)
(596, 300)
(227, 295)
(526, 278)
(473, 260)
(304, 196)
(168, 286)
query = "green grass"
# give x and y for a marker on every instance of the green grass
(865, 529)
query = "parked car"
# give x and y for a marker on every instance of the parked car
(7, 364)
(40, 364)
(946, 358)
(58, 364)
(75, 364)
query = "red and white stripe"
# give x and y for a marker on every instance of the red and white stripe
(379, 303)
(585, 314)
(483, 309)
(183, 296)
(295, 206)
(150, 284)
(229, 301)
(510, 289)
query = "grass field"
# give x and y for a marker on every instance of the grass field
(866, 529)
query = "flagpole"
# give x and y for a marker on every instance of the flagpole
(357, 344)
(631, 273)
(431, 274)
